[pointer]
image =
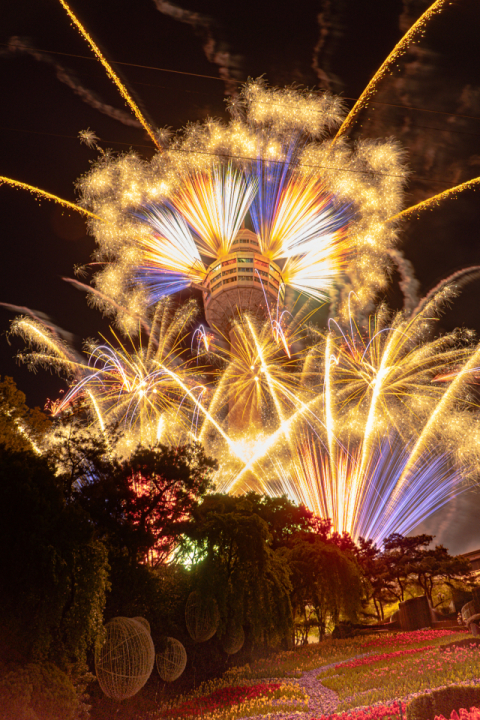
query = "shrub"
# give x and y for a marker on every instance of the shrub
(38, 692)
(442, 702)
(344, 629)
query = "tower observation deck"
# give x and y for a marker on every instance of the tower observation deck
(241, 282)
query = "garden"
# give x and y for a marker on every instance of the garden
(322, 681)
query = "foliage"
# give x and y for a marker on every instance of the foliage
(438, 565)
(377, 585)
(442, 702)
(235, 564)
(140, 505)
(285, 520)
(405, 567)
(401, 555)
(21, 427)
(323, 578)
(52, 599)
(38, 692)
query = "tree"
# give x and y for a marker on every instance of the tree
(21, 427)
(323, 529)
(436, 566)
(235, 564)
(401, 554)
(53, 572)
(141, 505)
(285, 520)
(377, 583)
(326, 579)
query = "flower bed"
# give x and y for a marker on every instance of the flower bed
(221, 699)
(410, 638)
(411, 663)
(391, 711)
(472, 714)
(394, 675)
(383, 656)
(228, 703)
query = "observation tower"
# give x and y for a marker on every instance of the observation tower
(241, 282)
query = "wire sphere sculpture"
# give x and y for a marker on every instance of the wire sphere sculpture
(172, 661)
(125, 661)
(234, 639)
(143, 622)
(201, 617)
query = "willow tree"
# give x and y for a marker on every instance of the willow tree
(236, 565)
(327, 583)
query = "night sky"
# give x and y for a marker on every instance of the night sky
(48, 95)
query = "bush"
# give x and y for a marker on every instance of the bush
(344, 629)
(53, 572)
(38, 692)
(442, 702)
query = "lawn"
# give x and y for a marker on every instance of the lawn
(371, 676)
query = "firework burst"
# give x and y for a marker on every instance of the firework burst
(370, 421)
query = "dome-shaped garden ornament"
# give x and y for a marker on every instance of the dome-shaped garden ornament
(201, 617)
(233, 640)
(125, 661)
(172, 661)
(143, 622)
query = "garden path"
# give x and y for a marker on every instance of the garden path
(322, 700)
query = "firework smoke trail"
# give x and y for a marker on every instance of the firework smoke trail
(436, 199)
(409, 285)
(203, 26)
(18, 45)
(417, 29)
(105, 300)
(111, 74)
(452, 282)
(43, 194)
(52, 350)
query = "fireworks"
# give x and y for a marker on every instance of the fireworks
(369, 420)
(359, 500)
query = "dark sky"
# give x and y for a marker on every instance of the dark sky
(335, 44)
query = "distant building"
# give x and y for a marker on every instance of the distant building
(474, 558)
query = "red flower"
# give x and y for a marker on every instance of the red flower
(222, 698)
